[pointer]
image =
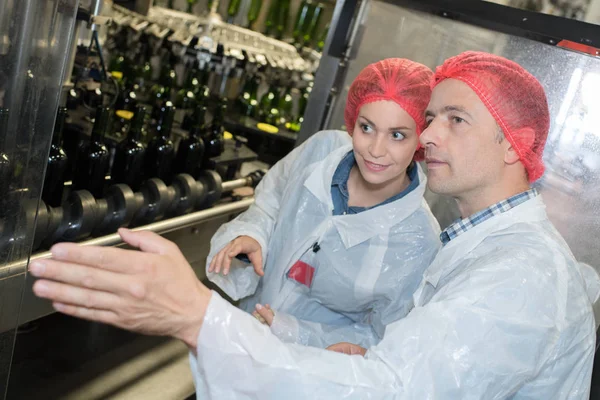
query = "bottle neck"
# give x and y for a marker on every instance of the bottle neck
(100, 125)
(59, 126)
(135, 132)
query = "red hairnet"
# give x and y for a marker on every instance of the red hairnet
(513, 96)
(402, 81)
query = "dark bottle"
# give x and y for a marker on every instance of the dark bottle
(301, 17)
(5, 164)
(302, 102)
(191, 149)
(129, 157)
(128, 98)
(214, 142)
(161, 152)
(248, 101)
(190, 6)
(271, 20)
(54, 181)
(322, 37)
(253, 12)
(269, 111)
(285, 106)
(190, 119)
(233, 9)
(310, 28)
(93, 158)
(186, 96)
(283, 15)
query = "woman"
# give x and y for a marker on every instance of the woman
(340, 224)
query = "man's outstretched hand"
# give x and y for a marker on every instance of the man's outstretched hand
(153, 291)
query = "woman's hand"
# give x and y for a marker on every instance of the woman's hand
(240, 245)
(264, 314)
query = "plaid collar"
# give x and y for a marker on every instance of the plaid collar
(460, 226)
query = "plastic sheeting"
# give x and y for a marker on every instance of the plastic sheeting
(367, 265)
(502, 312)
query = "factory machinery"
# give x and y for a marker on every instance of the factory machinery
(215, 96)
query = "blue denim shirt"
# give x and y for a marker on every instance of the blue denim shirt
(339, 187)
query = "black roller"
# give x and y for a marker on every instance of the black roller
(186, 194)
(156, 201)
(211, 189)
(115, 210)
(80, 211)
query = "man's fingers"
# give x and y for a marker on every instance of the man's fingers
(257, 262)
(78, 275)
(66, 294)
(109, 258)
(348, 348)
(90, 314)
(146, 241)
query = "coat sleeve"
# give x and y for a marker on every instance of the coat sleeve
(259, 220)
(482, 336)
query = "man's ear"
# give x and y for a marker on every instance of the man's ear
(510, 154)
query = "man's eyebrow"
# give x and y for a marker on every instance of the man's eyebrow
(459, 109)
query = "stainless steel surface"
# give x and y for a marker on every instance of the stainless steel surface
(235, 184)
(191, 232)
(167, 225)
(570, 186)
(35, 40)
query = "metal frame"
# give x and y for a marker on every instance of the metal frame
(339, 45)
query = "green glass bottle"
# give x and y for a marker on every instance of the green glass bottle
(248, 100)
(312, 24)
(271, 21)
(283, 15)
(285, 106)
(190, 6)
(117, 66)
(322, 37)
(302, 102)
(269, 103)
(233, 9)
(253, 12)
(186, 96)
(301, 18)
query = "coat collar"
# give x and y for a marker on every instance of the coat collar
(358, 228)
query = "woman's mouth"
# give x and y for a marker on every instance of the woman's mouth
(371, 166)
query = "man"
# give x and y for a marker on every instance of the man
(502, 312)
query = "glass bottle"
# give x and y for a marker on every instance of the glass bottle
(191, 149)
(129, 157)
(161, 152)
(54, 181)
(91, 166)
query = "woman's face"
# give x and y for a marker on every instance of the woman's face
(384, 140)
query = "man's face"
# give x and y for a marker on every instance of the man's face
(384, 140)
(463, 154)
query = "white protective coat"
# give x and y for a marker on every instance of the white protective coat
(368, 266)
(502, 313)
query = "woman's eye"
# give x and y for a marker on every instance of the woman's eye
(397, 136)
(458, 120)
(366, 128)
(428, 122)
